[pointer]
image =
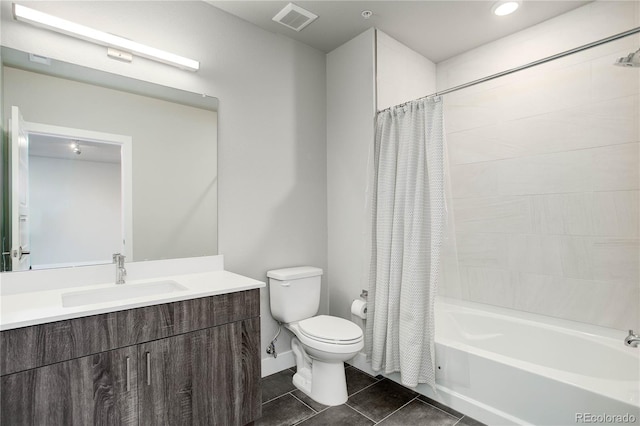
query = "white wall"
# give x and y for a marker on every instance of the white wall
(350, 132)
(544, 169)
(272, 127)
(402, 75)
(75, 211)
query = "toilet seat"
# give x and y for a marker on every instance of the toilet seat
(330, 329)
(329, 344)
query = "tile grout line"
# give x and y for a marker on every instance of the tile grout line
(361, 413)
(315, 412)
(279, 396)
(440, 409)
(355, 393)
(544, 153)
(400, 408)
(538, 234)
(542, 193)
(302, 421)
(307, 405)
(458, 422)
(366, 387)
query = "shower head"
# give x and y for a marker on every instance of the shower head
(631, 60)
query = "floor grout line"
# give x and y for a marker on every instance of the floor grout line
(439, 409)
(376, 380)
(361, 413)
(279, 396)
(366, 387)
(303, 420)
(307, 405)
(398, 409)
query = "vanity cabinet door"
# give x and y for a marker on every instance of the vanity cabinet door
(236, 372)
(206, 377)
(98, 389)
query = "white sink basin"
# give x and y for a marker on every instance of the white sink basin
(119, 292)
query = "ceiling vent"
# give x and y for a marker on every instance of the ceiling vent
(295, 17)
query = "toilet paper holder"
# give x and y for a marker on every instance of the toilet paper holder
(364, 294)
(359, 308)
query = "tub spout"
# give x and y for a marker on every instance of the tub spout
(632, 339)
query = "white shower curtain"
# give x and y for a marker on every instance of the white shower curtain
(408, 223)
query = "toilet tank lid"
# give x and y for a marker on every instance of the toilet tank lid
(294, 273)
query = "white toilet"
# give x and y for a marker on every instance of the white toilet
(322, 342)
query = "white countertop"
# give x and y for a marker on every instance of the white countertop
(43, 306)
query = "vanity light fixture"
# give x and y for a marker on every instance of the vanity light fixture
(502, 8)
(44, 20)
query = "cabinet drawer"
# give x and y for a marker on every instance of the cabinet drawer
(44, 344)
(156, 322)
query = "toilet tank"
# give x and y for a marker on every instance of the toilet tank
(294, 293)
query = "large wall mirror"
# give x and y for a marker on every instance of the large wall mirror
(95, 163)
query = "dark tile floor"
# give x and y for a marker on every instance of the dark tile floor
(372, 401)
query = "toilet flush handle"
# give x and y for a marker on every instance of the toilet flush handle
(285, 283)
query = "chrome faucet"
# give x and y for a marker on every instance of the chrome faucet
(121, 272)
(632, 339)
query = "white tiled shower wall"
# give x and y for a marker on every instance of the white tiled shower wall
(544, 168)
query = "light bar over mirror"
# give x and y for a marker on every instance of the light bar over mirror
(44, 20)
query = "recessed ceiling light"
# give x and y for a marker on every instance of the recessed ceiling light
(503, 8)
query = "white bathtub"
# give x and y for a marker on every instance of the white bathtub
(506, 367)
(535, 369)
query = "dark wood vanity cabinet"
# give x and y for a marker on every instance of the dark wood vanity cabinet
(194, 377)
(95, 389)
(182, 363)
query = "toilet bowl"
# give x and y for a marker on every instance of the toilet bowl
(321, 346)
(322, 343)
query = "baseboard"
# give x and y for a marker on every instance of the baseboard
(272, 365)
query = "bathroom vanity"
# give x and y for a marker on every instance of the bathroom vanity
(135, 361)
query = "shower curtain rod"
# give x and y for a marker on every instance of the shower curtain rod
(524, 67)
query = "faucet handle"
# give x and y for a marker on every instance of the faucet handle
(632, 333)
